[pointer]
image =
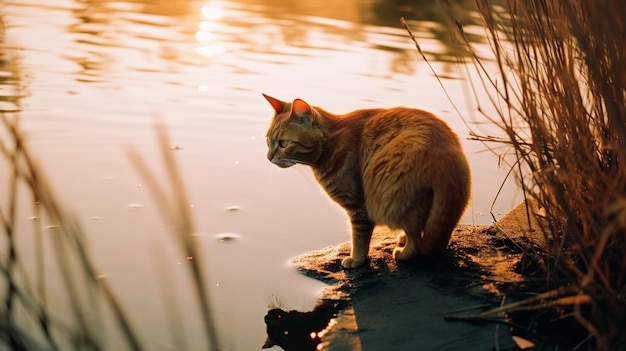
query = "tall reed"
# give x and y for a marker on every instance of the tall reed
(91, 316)
(558, 90)
(28, 321)
(174, 207)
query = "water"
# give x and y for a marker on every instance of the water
(99, 73)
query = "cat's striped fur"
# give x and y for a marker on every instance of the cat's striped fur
(401, 167)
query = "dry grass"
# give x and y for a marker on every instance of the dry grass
(174, 208)
(86, 314)
(558, 90)
(27, 320)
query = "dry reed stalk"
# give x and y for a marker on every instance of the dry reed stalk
(84, 288)
(549, 299)
(175, 208)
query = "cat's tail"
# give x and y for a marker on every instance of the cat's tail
(448, 204)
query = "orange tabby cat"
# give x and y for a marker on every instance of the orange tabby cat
(401, 167)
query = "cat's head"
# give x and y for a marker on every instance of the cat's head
(294, 135)
(288, 330)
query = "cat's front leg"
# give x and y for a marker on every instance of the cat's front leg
(362, 228)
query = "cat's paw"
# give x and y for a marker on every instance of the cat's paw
(404, 253)
(350, 262)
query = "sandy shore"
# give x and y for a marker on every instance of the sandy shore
(401, 306)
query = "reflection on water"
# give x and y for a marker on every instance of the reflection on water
(154, 36)
(99, 71)
(300, 331)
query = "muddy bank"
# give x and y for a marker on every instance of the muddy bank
(402, 306)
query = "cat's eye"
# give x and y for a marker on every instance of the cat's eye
(282, 143)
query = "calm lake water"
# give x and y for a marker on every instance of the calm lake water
(99, 73)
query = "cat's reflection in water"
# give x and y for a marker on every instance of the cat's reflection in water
(299, 331)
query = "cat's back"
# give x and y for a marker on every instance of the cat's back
(421, 128)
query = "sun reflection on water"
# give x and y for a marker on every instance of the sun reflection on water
(209, 45)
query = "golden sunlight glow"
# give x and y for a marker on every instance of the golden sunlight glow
(205, 36)
(207, 26)
(212, 12)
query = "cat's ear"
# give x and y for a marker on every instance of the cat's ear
(268, 343)
(278, 105)
(302, 111)
(300, 108)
